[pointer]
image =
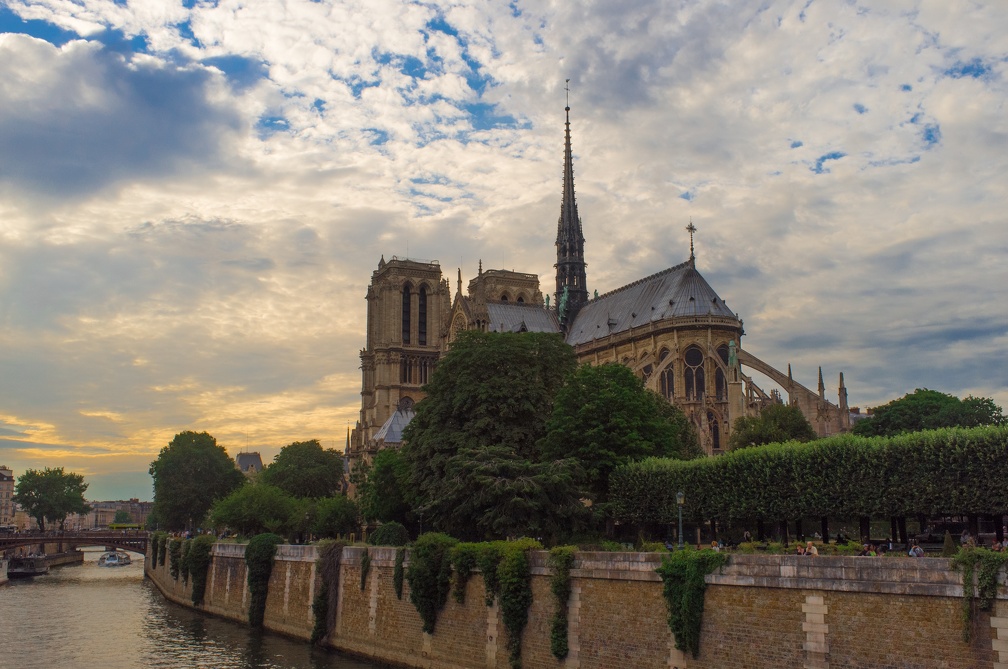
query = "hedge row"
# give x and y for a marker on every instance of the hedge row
(951, 471)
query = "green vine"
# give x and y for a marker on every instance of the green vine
(197, 564)
(162, 550)
(488, 559)
(464, 557)
(183, 562)
(156, 539)
(515, 583)
(328, 568)
(397, 572)
(175, 555)
(429, 576)
(985, 565)
(561, 559)
(683, 575)
(259, 554)
(365, 567)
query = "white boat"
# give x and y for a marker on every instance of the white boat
(114, 559)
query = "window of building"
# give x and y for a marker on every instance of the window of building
(422, 321)
(406, 305)
(720, 383)
(667, 380)
(694, 373)
(715, 431)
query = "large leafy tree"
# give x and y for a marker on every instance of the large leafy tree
(51, 495)
(604, 417)
(254, 508)
(190, 473)
(472, 446)
(925, 409)
(305, 469)
(381, 487)
(776, 424)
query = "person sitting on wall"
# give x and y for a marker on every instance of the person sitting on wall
(810, 549)
(916, 550)
(799, 549)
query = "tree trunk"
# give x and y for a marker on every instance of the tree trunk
(904, 539)
(798, 532)
(864, 529)
(974, 526)
(760, 533)
(893, 529)
(824, 529)
(998, 529)
(785, 539)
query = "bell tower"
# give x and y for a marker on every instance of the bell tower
(571, 284)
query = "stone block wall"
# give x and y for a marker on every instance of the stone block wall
(760, 611)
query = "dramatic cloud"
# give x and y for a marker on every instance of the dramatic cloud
(193, 196)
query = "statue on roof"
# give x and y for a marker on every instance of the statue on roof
(562, 308)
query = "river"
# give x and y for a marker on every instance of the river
(87, 616)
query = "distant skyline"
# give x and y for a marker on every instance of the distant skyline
(193, 196)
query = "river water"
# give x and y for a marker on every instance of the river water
(84, 616)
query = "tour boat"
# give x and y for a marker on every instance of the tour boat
(114, 559)
(26, 567)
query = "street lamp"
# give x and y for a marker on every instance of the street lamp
(681, 499)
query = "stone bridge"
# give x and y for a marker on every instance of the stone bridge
(127, 540)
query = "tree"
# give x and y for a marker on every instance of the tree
(190, 473)
(925, 409)
(50, 495)
(381, 487)
(604, 417)
(775, 424)
(122, 516)
(254, 508)
(334, 516)
(485, 411)
(305, 469)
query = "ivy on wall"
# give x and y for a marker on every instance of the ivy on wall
(197, 562)
(183, 562)
(175, 557)
(515, 582)
(464, 557)
(323, 605)
(365, 568)
(561, 560)
(259, 554)
(397, 572)
(162, 550)
(983, 565)
(429, 576)
(682, 574)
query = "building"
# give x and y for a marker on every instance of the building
(6, 496)
(249, 464)
(671, 328)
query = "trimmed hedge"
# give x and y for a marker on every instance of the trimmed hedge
(951, 471)
(389, 534)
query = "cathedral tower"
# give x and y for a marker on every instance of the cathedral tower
(571, 284)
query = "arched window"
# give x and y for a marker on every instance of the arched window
(720, 384)
(666, 381)
(407, 297)
(715, 431)
(520, 300)
(694, 373)
(504, 297)
(422, 319)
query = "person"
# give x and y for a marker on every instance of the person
(714, 547)
(799, 550)
(810, 549)
(747, 536)
(916, 550)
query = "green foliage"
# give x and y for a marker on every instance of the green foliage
(925, 409)
(776, 424)
(183, 561)
(515, 582)
(305, 469)
(682, 573)
(397, 572)
(948, 471)
(464, 558)
(561, 560)
(949, 548)
(198, 563)
(122, 516)
(50, 495)
(190, 473)
(156, 548)
(175, 555)
(253, 508)
(259, 554)
(389, 534)
(984, 565)
(604, 417)
(335, 516)
(472, 446)
(323, 605)
(162, 548)
(488, 559)
(381, 486)
(365, 568)
(429, 576)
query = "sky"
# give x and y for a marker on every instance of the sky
(193, 195)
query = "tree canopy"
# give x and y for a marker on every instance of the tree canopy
(305, 469)
(190, 473)
(776, 424)
(50, 495)
(122, 516)
(925, 409)
(475, 469)
(381, 487)
(604, 417)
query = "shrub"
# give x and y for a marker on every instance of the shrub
(982, 595)
(389, 534)
(259, 554)
(429, 576)
(949, 548)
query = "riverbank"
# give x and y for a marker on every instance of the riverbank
(760, 611)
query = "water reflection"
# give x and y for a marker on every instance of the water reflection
(110, 617)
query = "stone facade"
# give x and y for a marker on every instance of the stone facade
(760, 611)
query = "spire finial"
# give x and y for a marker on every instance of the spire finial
(691, 229)
(567, 88)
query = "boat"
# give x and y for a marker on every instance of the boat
(114, 559)
(26, 567)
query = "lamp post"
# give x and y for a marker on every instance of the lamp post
(681, 499)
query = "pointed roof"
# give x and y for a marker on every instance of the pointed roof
(391, 431)
(569, 223)
(677, 292)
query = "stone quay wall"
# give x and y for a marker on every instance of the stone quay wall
(760, 611)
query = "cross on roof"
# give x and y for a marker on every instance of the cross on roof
(691, 229)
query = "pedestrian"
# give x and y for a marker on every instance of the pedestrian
(810, 549)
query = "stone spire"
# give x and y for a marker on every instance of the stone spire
(822, 386)
(570, 265)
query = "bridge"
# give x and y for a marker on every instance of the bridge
(127, 540)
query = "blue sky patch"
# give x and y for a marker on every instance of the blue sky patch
(797, 144)
(484, 117)
(117, 42)
(906, 87)
(241, 72)
(688, 196)
(12, 23)
(270, 125)
(818, 168)
(931, 134)
(377, 137)
(439, 24)
(974, 69)
(860, 108)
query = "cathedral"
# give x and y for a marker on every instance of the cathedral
(671, 328)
